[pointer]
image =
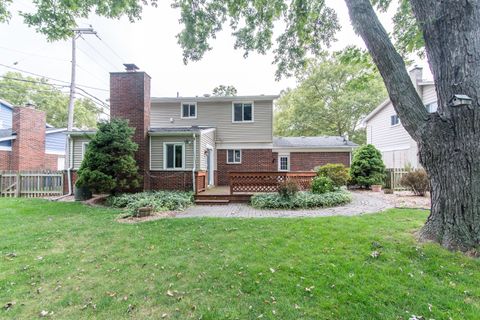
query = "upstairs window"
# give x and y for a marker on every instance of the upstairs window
(189, 110)
(394, 120)
(242, 112)
(234, 156)
(432, 107)
(174, 156)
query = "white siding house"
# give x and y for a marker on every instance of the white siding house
(385, 130)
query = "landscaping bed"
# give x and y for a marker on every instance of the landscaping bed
(301, 200)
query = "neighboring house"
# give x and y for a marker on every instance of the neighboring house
(181, 137)
(386, 133)
(27, 142)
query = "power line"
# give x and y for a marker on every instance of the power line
(101, 55)
(34, 54)
(110, 48)
(53, 79)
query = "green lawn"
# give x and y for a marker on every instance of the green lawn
(77, 262)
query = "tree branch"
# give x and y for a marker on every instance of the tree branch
(404, 97)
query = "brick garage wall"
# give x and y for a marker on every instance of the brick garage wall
(255, 160)
(130, 100)
(5, 160)
(65, 181)
(170, 180)
(28, 149)
(307, 161)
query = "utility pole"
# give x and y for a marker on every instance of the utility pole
(77, 32)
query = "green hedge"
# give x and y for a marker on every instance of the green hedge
(303, 200)
(158, 200)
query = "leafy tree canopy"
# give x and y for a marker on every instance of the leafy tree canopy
(335, 93)
(223, 90)
(20, 90)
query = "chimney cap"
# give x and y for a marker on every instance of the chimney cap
(130, 67)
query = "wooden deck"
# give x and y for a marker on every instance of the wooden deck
(221, 195)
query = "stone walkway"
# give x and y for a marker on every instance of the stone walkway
(363, 202)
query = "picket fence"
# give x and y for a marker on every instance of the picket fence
(31, 184)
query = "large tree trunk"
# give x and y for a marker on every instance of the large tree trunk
(449, 141)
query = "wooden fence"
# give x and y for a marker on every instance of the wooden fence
(394, 175)
(254, 182)
(31, 183)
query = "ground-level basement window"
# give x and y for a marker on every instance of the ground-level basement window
(284, 163)
(234, 156)
(174, 155)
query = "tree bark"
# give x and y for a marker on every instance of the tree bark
(449, 140)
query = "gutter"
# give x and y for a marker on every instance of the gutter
(194, 168)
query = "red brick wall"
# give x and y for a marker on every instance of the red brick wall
(28, 149)
(51, 161)
(5, 160)
(254, 160)
(130, 99)
(170, 180)
(306, 161)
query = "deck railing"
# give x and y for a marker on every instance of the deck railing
(253, 182)
(31, 183)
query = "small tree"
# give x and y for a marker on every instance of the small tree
(109, 165)
(367, 167)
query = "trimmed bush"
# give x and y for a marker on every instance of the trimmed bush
(321, 185)
(157, 200)
(303, 200)
(288, 189)
(367, 167)
(337, 172)
(417, 180)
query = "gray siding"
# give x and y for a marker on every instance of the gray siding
(207, 139)
(219, 115)
(156, 151)
(77, 150)
(5, 117)
(55, 142)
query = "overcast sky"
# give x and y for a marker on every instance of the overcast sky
(151, 44)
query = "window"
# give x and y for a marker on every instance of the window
(394, 120)
(432, 107)
(174, 156)
(284, 163)
(242, 112)
(189, 110)
(84, 149)
(234, 156)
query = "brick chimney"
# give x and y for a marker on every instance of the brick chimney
(28, 149)
(130, 100)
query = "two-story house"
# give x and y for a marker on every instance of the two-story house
(386, 133)
(27, 142)
(182, 136)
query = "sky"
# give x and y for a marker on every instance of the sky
(151, 44)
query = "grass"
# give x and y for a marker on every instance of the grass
(78, 263)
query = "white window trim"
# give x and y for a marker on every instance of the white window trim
(190, 103)
(84, 148)
(280, 156)
(5, 148)
(243, 102)
(228, 162)
(165, 156)
(394, 125)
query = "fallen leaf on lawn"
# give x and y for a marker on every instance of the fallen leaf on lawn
(39, 258)
(111, 294)
(43, 313)
(309, 289)
(375, 254)
(170, 293)
(9, 305)
(130, 308)
(164, 315)
(296, 306)
(272, 270)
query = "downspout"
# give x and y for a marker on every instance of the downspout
(194, 162)
(69, 170)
